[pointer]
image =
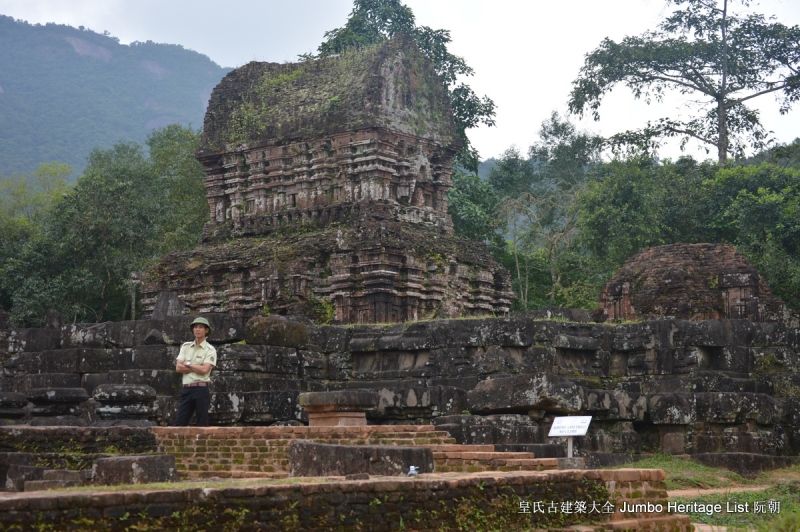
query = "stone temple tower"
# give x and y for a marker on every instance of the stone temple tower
(327, 187)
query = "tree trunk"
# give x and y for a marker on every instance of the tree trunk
(722, 111)
(722, 140)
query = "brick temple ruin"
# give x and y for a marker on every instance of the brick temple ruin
(689, 281)
(327, 187)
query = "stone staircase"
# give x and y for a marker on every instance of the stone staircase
(58, 478)
(474, 458)
(237, 452)
(241, 452)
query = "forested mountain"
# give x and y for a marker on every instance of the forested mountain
(66, 91)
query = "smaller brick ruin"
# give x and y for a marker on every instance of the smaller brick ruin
(689, 281)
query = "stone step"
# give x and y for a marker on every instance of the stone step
(511, 464)
(475, 447)
(481, 455)
(68, 475)
(542, 450)
(233, 473)
(38, 485)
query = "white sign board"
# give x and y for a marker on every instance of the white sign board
(570, 426)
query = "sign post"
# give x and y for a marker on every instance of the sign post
(569, 426)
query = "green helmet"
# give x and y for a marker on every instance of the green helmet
(201, 321)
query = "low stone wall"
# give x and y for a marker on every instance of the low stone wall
(682, 387)
(313, 459)
(33, 458)
(505, 501)
(264, 451)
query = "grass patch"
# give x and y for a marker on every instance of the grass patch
(773, 509)
(779, 476)
(683, 473)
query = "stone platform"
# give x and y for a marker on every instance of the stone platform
(242, 452)
(451, 501)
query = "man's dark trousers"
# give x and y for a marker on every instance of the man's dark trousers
(193, 399)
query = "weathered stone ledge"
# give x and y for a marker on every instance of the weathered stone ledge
(441, 501)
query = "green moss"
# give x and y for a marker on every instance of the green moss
(322, 309)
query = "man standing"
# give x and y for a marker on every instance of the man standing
(195, 361)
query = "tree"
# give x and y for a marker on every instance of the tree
(635, 204)
(701, 49)
(374, 21)
(124, 212)
(538, 204)
(24, 203)
(757, 208)
(184, 208)
(474, 207)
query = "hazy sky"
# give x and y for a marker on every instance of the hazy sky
(525, 53)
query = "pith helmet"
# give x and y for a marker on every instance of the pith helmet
(201, 321)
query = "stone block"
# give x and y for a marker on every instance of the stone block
(259, 358)
(315, 365)
(28, 340)
(226, 408)
(524, 393)
(166, 382)
(330, 339)
(57, 395)
(721, 407)
(747, 464)
(241, 357)
(578, 343)
(150, 357)
(54, 361)
(409, 400)
(56, 416)
(278, 331)
(24, 383)
(96, 360)
(672, 408)
(673, 440)
(99, 335)
(122, 411)
(503, 429)
(319, 459)
(227, 381)
(175, 330)
(12, 400)
(139, 469)
(124, 393)
(266, 407)
(341, 400)
(172, 331)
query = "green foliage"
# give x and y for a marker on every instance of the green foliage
(24, 203)
(374, 21)
(539, 216)
(68, 91)
(124, 211)
(757, 208)
(702, 50)
(474, 207)
(635, 204)
(322, 310)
